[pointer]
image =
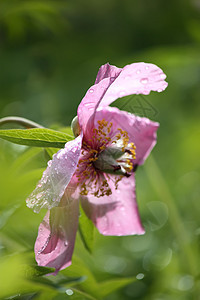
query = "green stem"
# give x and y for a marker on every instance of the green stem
(158, 182)
(20, 121)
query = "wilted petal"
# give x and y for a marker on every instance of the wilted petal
(137, 78)
(56, 177)
(107, 71)
(56, 236)
(141, 131)
(116, 214)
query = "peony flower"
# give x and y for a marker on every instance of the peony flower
(97, 168)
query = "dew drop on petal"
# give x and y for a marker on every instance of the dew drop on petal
(138, 71)
(38, 196)
(91, 91)
(162, 76)
(146, 92)
(159, 90)
(66, 244)
(122, 93)
(49, 163)
(44, 180)
(87, 104)
(144, 80)
(147, 68)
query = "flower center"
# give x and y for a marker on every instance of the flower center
(107, 155)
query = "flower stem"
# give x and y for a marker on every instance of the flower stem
(20, 121)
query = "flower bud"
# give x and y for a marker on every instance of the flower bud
(75, 127)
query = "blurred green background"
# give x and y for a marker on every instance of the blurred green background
(50, 52)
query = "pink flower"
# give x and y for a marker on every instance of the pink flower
(97, 167)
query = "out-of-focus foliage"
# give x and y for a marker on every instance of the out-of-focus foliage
(50, 53)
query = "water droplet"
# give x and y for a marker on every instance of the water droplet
(112, 78)
(140, 276)
(145, 92)
(147, 68)
(159, 90)
(122, 93)
(87, 104)
(44, 180)
(73, 164)
(144, 80)
(69, 292)
(162, 76)
(49, 163)
(66, 244)
(36, 208)
(138, 71)
(91, 91)
(39, 195)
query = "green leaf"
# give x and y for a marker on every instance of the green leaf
(29, 296)
(91, 286)
(58, 283)
(49, 152)
(79, 295)
(36, 271)
(109, 286)
(37, 137)
(14, 277)
(6, 214)
(80, 268)
(67, 130)
(86, 230)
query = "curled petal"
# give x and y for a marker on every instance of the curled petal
(137, 78)
(141, 131)
(56, 235)
(56, 177)
(116, 214)
(107, 71)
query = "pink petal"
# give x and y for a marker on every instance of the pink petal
(141, 131)
(137, 78)
(90, 102)
(116, 214)
(107, 71)
(56, 235)
(56, 177)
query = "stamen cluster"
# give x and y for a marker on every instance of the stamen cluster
(94, 180)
